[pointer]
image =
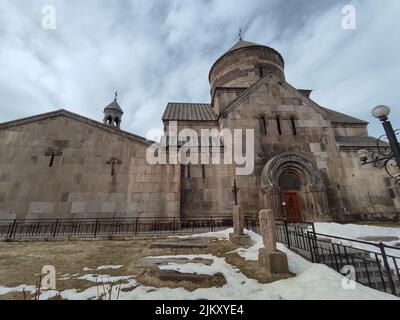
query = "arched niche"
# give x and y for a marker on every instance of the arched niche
(293, 173)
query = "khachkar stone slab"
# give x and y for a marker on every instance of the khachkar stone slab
(238, 237)
(275, 261)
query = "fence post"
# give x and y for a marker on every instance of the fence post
(96, 227)
(311, 247)
(387, 267)
(287, 232)
(173, 226)
(10, 233)
(211, 224)
(314, 242)
(136, 225)
(55, 229)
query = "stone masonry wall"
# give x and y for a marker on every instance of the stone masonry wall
(79, 183)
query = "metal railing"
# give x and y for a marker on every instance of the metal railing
(53, 228)
(375, 265)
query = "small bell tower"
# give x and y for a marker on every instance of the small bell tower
(113, 113)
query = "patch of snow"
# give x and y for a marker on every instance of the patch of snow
(110, 266)
(20, 288)
(251, 254)
(221, 235)
(354, 231)
(103, 278)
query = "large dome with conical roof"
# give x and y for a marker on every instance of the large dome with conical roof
(244, 64)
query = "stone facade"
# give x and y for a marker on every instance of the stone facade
(62, 165)
(78, 181)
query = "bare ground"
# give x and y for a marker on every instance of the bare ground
(22, 262)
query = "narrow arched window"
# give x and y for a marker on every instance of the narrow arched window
(293, 126)
(278, 125)
(264, 125)
(187, 171)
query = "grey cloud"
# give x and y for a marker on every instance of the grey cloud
(153, 52)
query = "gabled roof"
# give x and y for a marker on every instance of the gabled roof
(331, 115)
(337, 117)
(77, 117)
(245, 94)
(352, 141)
(189, 112)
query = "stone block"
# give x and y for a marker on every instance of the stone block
(78, 207)
(238, 220)
(274, 261)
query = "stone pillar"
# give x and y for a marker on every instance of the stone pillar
(238, 237)
(272, 199)
(272, 259)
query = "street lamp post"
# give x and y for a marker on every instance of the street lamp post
(389, 159)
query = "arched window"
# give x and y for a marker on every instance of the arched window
(293, 126)
(187, 171)
(264, 125)
(278, 125)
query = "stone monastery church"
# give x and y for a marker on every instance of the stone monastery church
(63, 165)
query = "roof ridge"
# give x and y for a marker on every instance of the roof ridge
(74, 116)
(348, 117)
(260, 82)
(184, 103)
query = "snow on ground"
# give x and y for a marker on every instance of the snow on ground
(354, 231)
(220, 235)
(20, 288)
(312, 281)
(110, 266)
(105, 267)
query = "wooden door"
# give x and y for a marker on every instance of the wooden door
(293, 212)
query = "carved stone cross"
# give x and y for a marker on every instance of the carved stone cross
(235, 191)
(52, 153)
(114, 162)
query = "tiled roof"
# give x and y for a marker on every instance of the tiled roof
(358, 141)
(189, 112)
(203, 112)
(338, 117)
(114, 106)
(242, 44)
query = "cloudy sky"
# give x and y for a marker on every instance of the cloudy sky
(157, 51)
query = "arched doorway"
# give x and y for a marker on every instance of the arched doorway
(292, 187)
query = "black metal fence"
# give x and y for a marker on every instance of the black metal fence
(53, 228)
(375, 265)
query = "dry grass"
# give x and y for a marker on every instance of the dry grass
(21, 262)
